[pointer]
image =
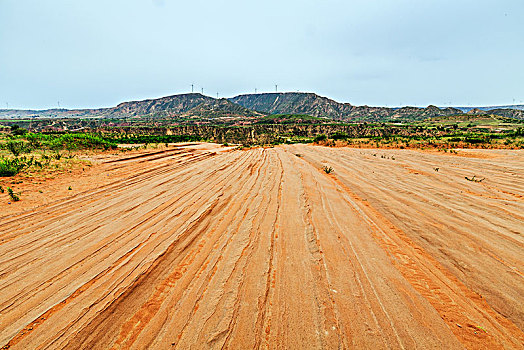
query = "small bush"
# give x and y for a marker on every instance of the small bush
(327, 170)
(14, 196)
(17, 130)
(474, 179)
(339, 135)
(57, 155)
(319, 138)
(11, 167)
(16, 147)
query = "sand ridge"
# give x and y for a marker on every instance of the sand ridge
(203, 247)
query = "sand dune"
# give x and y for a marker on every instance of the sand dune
(196, 247)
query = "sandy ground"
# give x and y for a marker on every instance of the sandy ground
(205, 247)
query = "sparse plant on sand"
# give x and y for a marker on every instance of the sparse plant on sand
(14, 196)
(436, 169)
(57, 155)
(327, 170)
(1, 189)
(474, 179)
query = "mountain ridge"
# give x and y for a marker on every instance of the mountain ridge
(253, 105)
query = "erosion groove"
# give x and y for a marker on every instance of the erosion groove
(209, 248)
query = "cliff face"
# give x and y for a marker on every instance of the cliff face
(294, 103)
(267, 133)
(175, 104)
(222, 108)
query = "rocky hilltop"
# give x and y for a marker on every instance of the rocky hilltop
(172, 105)
(169, 105)
(222, 108)
(294, 103)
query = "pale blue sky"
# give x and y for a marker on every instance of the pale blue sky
(377, 52)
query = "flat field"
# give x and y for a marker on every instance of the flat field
(207, 247)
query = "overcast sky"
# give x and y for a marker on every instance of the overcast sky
(377, 52)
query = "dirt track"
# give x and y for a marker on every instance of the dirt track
(262, 249)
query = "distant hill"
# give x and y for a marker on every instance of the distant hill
(169, 105)
(222, 108)
(489, 108)
(318, 106)
(174, 104)
(251, 106)
(294, 103)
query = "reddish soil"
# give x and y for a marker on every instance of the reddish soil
(208, 247)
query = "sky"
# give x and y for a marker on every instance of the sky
(98, 53)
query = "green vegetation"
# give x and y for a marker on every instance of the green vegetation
(11, 167)
(320, 138)
(339, 135)
(14, 196)
(443, 133)
(291, 119)
(15, 145)
(17, 130)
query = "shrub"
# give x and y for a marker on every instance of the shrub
(474, 179)
(34, 141)
(11, 167)
(16, 147)
(339, 135)
(320, 137)
(17, 130)
(14, 196)
(327, 170)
